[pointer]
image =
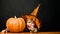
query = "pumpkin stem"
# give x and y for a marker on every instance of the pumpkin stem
(15, 17)
(35, 10)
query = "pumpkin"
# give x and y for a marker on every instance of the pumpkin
(15, 24)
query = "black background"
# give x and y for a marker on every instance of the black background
(47, 12)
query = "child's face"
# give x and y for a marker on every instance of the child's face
(30, 24)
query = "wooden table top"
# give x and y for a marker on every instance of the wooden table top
(34, 33)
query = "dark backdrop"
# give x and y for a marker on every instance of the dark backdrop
(10, 8)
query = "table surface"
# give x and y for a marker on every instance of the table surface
(34, 33)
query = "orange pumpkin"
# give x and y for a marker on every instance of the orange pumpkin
(15, 24)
